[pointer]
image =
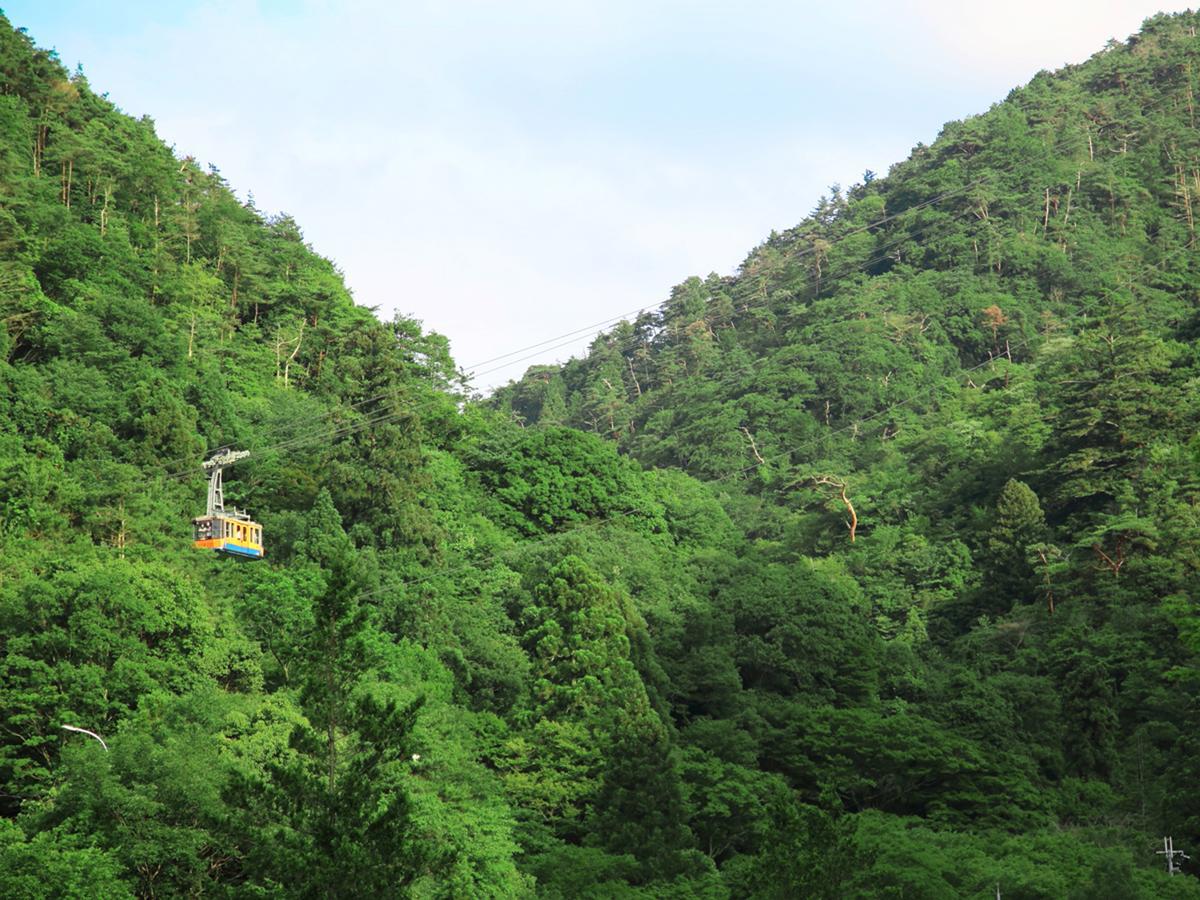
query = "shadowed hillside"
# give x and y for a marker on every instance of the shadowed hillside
(869, 571)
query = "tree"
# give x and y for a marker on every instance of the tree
(70, 868)
(1017, 526)
(583, 675)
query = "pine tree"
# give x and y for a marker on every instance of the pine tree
(1017, 524)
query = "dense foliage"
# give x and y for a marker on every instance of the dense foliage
(869, 571)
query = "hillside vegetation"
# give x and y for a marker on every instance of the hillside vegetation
(868, 571)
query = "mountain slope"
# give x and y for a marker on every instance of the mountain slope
(1016, 300)
(491, 657)
(993, 350)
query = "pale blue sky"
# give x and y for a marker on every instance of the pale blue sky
(509, 171)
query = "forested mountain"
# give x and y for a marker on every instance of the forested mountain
(869, 571)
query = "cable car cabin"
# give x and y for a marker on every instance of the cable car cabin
(225, 530)
(226, 534)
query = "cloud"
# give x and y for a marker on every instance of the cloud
(507, 172)
(1012, 41)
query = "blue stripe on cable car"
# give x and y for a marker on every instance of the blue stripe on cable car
(230, 547)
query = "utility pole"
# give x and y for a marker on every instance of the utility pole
(1170, 853)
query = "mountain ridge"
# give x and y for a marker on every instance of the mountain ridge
(875, 576)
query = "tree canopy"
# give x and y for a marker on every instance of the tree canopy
(868, 570)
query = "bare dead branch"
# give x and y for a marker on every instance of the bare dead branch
(839, 485)
(753, 446)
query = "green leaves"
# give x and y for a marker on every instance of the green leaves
(489, 654)
(71, 868)
(548, 479)
(1018, 527)
(83, 645)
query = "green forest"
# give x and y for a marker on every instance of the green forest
(870, 570)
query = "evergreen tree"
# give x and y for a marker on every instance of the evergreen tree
(489, 654)
(1018, 524)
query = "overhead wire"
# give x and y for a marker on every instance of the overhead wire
(643, 309)
(852, 266)
(505, 556)
(570, 338)
(853, 425)
(615, 517)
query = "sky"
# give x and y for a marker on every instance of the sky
(511, 172)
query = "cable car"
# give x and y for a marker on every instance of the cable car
(229, 531)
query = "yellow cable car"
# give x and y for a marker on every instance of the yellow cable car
(226, 531)
(225, 534)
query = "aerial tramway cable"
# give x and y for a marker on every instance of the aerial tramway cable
(573, 336)
(316, 434)
(606, 520)
(568, 338)
(239, 536)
